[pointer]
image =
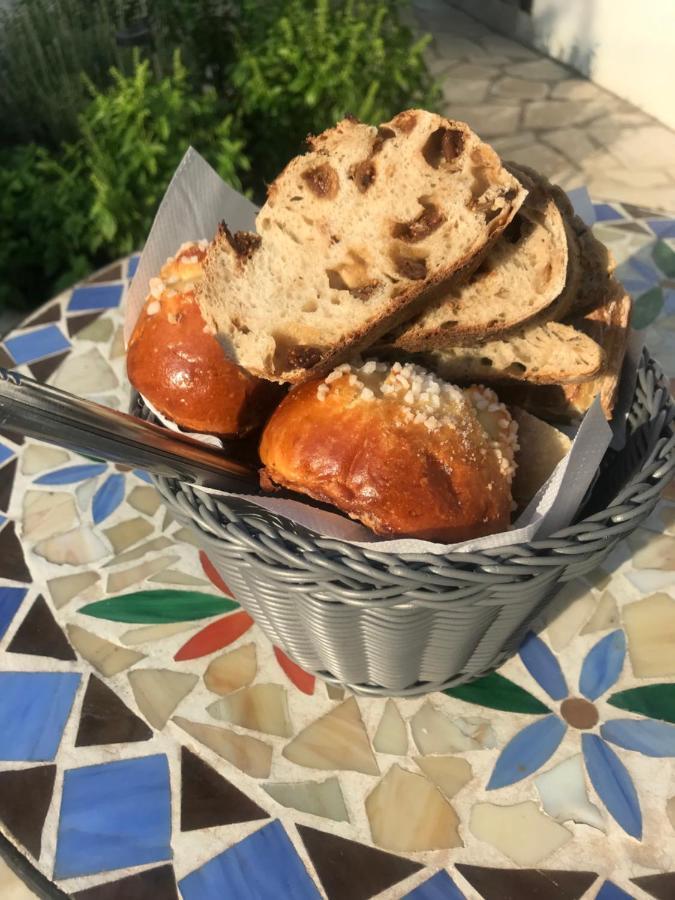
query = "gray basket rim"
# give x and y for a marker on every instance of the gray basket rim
(276, 538)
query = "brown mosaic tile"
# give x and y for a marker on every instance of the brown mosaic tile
(51, 314)
(43, 368)
(209, 799)
(105, 719)
(25, 795)
(7, 474)
(40, 635)
(337, 859)
(110, 273)
(77, 323)
(527, 884)
(660, 886)
(14, 565)
(153, 884)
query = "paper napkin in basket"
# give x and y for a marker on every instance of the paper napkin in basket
(196, 200)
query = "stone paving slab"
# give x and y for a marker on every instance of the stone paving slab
(537, 111)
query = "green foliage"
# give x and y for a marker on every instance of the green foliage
(133, 137)
(44, 224)
(93, 128)
(96, 198)
(304, 64)
(45, 45)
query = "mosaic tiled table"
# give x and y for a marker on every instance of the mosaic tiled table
(154, 745)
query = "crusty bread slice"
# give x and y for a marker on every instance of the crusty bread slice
(550, 353)
(608, 325)
(350, 236)
(590, 263)
(542, 446)
(521, 275)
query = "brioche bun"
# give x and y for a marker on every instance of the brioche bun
(180, 367)
(398, 449)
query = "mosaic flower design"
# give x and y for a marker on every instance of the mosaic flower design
(534, 745)
(109, 492)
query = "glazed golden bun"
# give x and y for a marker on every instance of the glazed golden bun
(398, 449)
(180, 367)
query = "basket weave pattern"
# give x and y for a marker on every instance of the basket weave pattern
(383, 623)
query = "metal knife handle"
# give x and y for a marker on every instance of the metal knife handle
(57, 417)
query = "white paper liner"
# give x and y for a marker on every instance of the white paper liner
(196, 200)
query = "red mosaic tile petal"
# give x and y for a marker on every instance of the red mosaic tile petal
(302, 680)
(215, 636)
(212, 574)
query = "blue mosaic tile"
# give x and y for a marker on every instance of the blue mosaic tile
(72, 474)
(107, 498)
(5, 454)
(642, 735)
(527, 751)
(582, 204)
(34, 707)
(238, 871)
(132, 265)
(114, 815)
(144, 476)
(3, 519)
(611, 891)
(34, 345)
(439, 887)
(95, 296)
(603, 665)
(662, 228)
(10, 601)
(543, 666)
(604, 212)
(613, 784)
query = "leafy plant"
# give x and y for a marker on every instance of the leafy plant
(304, 64)
(133, 137)
(44, 223)
(45, 45)
(94, 200)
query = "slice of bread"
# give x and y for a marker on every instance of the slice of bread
(351, 235)
(550, 353)
(521, 275)
(608, 324)
(542, 446)
(590, 263)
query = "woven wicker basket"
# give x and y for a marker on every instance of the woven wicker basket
(385, 624)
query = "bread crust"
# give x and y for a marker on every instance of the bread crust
(458, 311)
(180, 367)
(608, 325)
(401, 247)
(396, 477)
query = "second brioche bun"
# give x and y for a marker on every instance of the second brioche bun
(398, 449)
(179, 366)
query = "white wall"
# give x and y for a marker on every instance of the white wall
(626, 46)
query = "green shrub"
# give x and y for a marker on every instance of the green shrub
(60, 214)
(304, 64)
(44, 224)
(45, 45)
(133, 137)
